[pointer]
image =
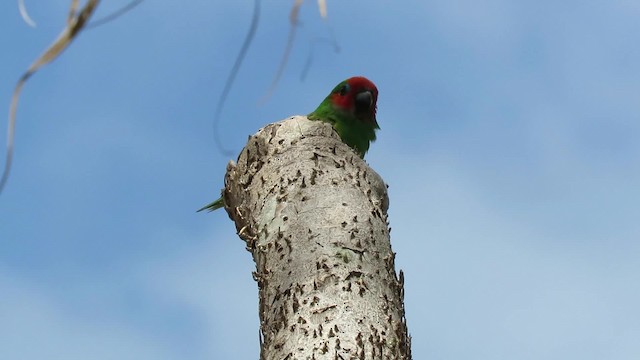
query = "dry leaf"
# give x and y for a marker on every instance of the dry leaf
(322, 6)
(24, 14)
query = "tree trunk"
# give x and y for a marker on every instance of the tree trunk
(314, 217)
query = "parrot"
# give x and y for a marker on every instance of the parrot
(350, 108)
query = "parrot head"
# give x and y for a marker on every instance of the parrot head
(357, 98)
(351, 109)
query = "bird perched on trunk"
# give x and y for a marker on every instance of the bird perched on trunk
(350, 108)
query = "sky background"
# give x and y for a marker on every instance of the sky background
(510, 140)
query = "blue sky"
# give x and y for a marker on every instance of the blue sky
(510, 143)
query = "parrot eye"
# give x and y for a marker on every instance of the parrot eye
(344, 89)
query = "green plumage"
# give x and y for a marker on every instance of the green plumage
(213, 206)
(351, 109)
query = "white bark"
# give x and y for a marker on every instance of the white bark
(314, 216)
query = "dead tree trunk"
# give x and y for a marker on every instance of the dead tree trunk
(314, 217)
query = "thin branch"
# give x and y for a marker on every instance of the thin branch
(114, 15)
(75, 22)
(72, 11)
(314, 42)
(293, 19)
(232, 75)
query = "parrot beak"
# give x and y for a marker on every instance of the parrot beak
(365, 107)
(364, 101)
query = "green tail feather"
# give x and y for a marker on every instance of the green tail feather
(213, 206)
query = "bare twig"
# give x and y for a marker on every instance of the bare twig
(75, 22)
(232, 75)
(293, 19)
(314, 42)
(114, 15)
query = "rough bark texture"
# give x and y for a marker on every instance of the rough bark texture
(314, 217)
